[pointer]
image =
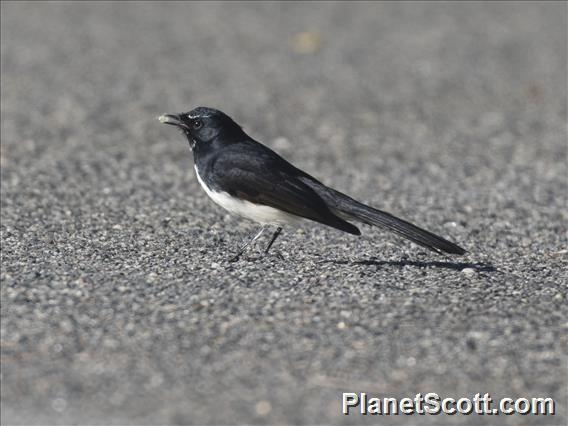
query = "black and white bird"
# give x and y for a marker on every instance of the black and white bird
(250, 180)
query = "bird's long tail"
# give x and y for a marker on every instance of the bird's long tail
(348, 208)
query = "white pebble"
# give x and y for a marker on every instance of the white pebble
(263, 408)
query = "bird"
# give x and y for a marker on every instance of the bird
(249, 179)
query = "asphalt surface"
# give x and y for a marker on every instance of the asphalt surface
(118, 305)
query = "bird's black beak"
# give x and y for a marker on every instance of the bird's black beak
(174, 120)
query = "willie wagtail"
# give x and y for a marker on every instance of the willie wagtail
(249, 179)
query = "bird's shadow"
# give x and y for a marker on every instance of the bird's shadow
(456, 266)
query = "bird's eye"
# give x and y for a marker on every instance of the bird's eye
(197, 124)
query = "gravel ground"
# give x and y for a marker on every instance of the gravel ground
(118, 305)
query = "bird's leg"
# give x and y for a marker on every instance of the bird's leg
(245, 245)
(274, 236)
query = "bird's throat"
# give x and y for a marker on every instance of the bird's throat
(192, 142)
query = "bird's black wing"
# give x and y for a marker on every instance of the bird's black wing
(256, 174)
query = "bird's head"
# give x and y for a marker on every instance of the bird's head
(204, 125)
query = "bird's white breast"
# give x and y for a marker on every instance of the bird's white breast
(259, 213)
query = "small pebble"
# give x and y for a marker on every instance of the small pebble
(59, 404)
(307, 42)
(468, 271)
(263, 408)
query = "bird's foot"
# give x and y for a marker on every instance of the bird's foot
(276, 254)
(273, 253)
(261, 255)
(235, 258)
